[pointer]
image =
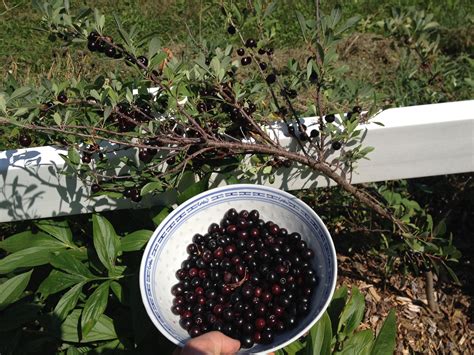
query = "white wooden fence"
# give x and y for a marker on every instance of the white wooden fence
(414, 142)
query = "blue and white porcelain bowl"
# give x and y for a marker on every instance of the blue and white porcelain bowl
(167, 249)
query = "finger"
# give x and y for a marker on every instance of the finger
(227, 344)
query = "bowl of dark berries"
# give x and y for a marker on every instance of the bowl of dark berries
(253, 262)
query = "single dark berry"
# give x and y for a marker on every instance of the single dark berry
(261, 51)
(314, 133)
(263, 65)
(267, 337)
(86, 158)
(93, 35)
(201, 107)
(246, 60)
(231, 30)
(357, 109)
(62, 97)
(93, 45)
(143, 60)
(135, 195)
(336, 145)
(330, 118)
(246, 341)
(240, 51)
(145, 156)
(250, 43)
(130, 60)
(271, 78)
(24, 140)
(95, 188)
(110, 52)
(101, 45)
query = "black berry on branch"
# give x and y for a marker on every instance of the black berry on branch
(145, 156)
(231, 30)
(250, 43)
(357, 109)
(62, 97)
(95, 188)
(143, 60)
(246, 60)
(330, 118)
(314, 133)
(86, 158)
(336, 145)
(24, 140)
(135, 195)
(271, 78)
(110, 52)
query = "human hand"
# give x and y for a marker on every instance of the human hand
(212, 343)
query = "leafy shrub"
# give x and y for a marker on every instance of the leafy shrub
(73, 293)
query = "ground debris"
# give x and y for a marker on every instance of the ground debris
(420, 331)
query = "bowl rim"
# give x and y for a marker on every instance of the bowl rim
(191, 200)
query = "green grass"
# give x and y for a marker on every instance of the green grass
(28, 55)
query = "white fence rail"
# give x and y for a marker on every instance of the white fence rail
(414, 142)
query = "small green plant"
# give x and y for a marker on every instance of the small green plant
(424, 74)
(72, 292)
(337, 332)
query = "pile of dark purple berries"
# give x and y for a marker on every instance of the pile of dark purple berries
(247, 278)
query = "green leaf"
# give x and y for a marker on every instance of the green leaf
(294, 347)
(353, 312)
(58, 281)
(12, 289)
(150, 187)
(57, 118)
(320, 337)
(73, 156)
(161, 216)
(302, 22)
(153, 47)
(20, 112)
(135, 240)
(358, 344)
(73, 351)
(386, 339)
(58, 229)
(103, 329)
(106, 241)
(451, 273)
(19, 93)
(27, 239)
(194, 189)
(117, 290)
(65, 262)
(25, 258)
(94, 307)
(3, 103)
(337, 306)
(68, 301)
(267, 170)
(440, 228)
